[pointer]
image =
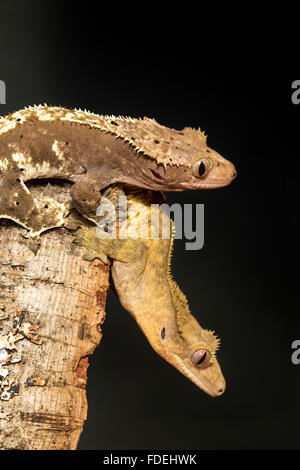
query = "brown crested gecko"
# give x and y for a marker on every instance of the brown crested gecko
(141, 273)
(94, 152)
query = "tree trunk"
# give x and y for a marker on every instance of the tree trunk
(51, 307)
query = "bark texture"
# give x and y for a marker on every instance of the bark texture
(51, 306)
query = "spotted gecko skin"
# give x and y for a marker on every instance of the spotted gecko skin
(93, 152)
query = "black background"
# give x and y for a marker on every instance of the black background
(242, 283)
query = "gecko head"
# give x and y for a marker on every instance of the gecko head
(198, 362)
(206, 169)
(181, 160)
(196, 358)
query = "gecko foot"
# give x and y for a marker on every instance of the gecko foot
(89, 240)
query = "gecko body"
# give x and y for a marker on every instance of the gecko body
(93, 152)
(141, 273)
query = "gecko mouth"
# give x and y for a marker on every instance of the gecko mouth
(156, 175)
(181, 366)
(206, 185)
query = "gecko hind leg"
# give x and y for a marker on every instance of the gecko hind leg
(16, 202)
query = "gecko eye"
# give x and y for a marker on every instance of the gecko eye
(201, 358)
(201, 167)
(163, 333)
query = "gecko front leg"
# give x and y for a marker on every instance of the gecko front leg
(129, 251)
(86, 192)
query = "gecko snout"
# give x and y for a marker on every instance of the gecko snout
(219, 388)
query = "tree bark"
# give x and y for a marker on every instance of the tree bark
(52, 304)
